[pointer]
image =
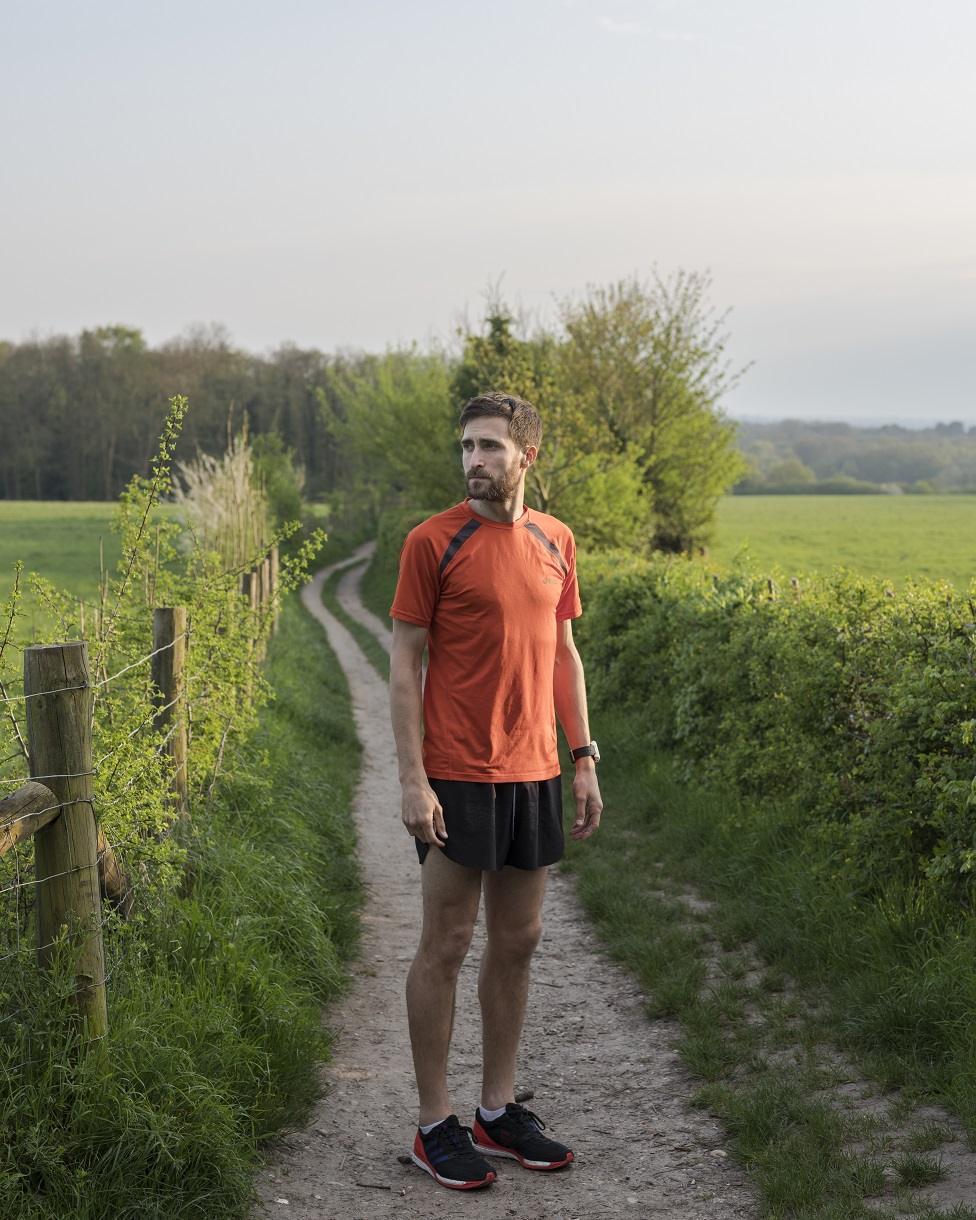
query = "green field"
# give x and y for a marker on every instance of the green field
(895, 537)
(58, 539)
(61, 541)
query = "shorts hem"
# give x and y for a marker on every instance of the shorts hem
(485, 868)
(515, 777)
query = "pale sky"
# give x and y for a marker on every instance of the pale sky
(357, 174)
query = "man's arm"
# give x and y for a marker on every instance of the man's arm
(420, 808)
(569, 693)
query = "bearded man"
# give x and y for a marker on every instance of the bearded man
(489, 588)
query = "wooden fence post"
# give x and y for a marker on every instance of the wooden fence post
(249, 587)
(169, 648)
(59, 717)
(273, 591)
(264, 602)
(265, 584)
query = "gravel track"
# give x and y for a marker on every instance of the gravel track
(605, 1078)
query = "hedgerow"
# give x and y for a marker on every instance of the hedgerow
(837, 694)
(242, 912)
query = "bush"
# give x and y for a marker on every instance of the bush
(379, 581)
(851, 703)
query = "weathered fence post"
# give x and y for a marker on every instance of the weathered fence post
(273, 591)
(59, 717)
(265, 583)
(264, 603)
(249, 587)
(169, 659)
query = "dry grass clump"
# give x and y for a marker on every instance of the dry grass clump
(224, 506)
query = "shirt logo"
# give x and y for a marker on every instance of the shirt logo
(550, 580)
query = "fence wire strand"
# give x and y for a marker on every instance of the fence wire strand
(20, 872)
(103, 681)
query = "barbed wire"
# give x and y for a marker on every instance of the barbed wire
(197, 701)
(120, 958)
(102, 682)
(27, 779)
(98, 805)
(150, 716)
(112, 850)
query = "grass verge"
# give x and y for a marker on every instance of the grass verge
(769, 975)
(214, 997)
(379, 583)
(372, 649)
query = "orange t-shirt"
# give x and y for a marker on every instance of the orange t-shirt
(490, 594)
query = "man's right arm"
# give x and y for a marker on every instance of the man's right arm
(421, 810)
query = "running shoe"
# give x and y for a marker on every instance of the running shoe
(447, 1155)
(518, 1133)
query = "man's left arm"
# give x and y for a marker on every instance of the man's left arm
(569, 693)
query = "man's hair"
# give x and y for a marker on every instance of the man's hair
(524, 424)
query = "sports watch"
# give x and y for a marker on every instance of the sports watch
(590, 751)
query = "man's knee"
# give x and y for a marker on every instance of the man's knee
(445, 948)
(517, 941)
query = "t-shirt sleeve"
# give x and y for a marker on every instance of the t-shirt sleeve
(569, 605)
(418, 584)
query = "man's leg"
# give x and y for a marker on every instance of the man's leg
(451, 897)
(513, 914)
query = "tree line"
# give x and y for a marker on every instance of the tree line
(796, 455)
(629, 381)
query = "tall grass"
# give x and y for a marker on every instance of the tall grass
(894, 971)
(214, 997)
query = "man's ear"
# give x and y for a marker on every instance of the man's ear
(529, 456)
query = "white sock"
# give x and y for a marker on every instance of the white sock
(491, 1116)
(430, 1126)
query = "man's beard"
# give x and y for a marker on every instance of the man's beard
(490, 488)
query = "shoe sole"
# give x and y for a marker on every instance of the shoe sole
(539, 1166)
(451, 1183)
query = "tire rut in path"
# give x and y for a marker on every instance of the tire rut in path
(605, 1079)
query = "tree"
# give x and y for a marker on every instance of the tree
(395, 416)
(649, 360)
(790, 473)
(581, 475)
(113, 396)
(279, 476)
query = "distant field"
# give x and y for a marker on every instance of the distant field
(57, 539)
(895, 537)
(891, 536)
(60, 541)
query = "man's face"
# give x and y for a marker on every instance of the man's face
(493, 464)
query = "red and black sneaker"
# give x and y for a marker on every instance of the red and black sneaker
(446, 1153)
(518, 1133)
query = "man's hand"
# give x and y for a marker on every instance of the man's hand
(422, 813)
(589, 803)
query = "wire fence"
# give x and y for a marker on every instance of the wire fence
(50, 817)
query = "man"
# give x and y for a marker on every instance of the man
(489, 587)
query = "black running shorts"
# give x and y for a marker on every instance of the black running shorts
(491, 825)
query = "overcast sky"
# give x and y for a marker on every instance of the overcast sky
(358, 173)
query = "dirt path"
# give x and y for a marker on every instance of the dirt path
(605, 1078)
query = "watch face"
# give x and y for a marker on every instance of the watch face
(596, 751)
